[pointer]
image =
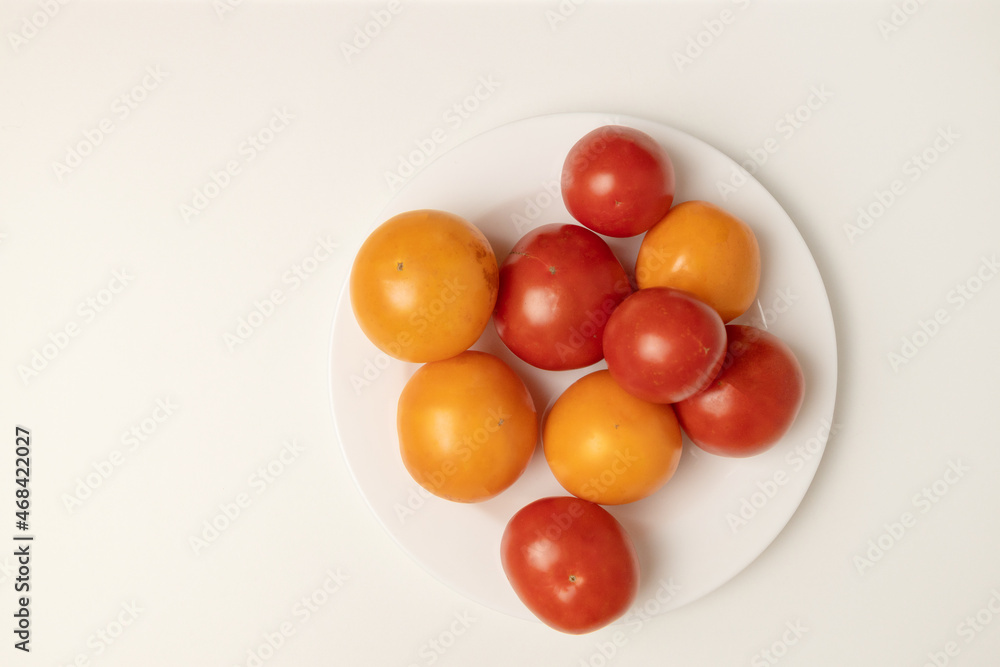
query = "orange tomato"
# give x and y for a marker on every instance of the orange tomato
(607, 446)
(423, 285)
(701, 249)
(467, 426)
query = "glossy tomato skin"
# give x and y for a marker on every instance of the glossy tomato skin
(618, 181)
(571, 563)
(423, 285)
(700, 248)
(663, 345)
(467, 426)
(607, 446)
(558, 286)
(753, 401)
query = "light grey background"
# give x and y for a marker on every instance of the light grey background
(896, 76)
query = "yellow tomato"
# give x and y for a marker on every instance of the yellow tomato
(467, 426)
(423, 285)
(701, 249)
(607, 446)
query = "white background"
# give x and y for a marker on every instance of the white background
(162, 336)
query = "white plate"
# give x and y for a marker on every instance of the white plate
(715, 515)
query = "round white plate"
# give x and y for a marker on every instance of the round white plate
(715, 515)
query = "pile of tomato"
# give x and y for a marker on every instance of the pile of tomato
(426, 284)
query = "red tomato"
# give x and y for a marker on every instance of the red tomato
(571, 563)
(752, 402)
(663, 345)
(618, 181)
(558, 286)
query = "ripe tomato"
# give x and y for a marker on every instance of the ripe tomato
(558, 286)
(423, 285)
(752, 402)
(467, 426)
(607, 446)
(664, 345)
(618, 181)
(571, 563)
(700, 248)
